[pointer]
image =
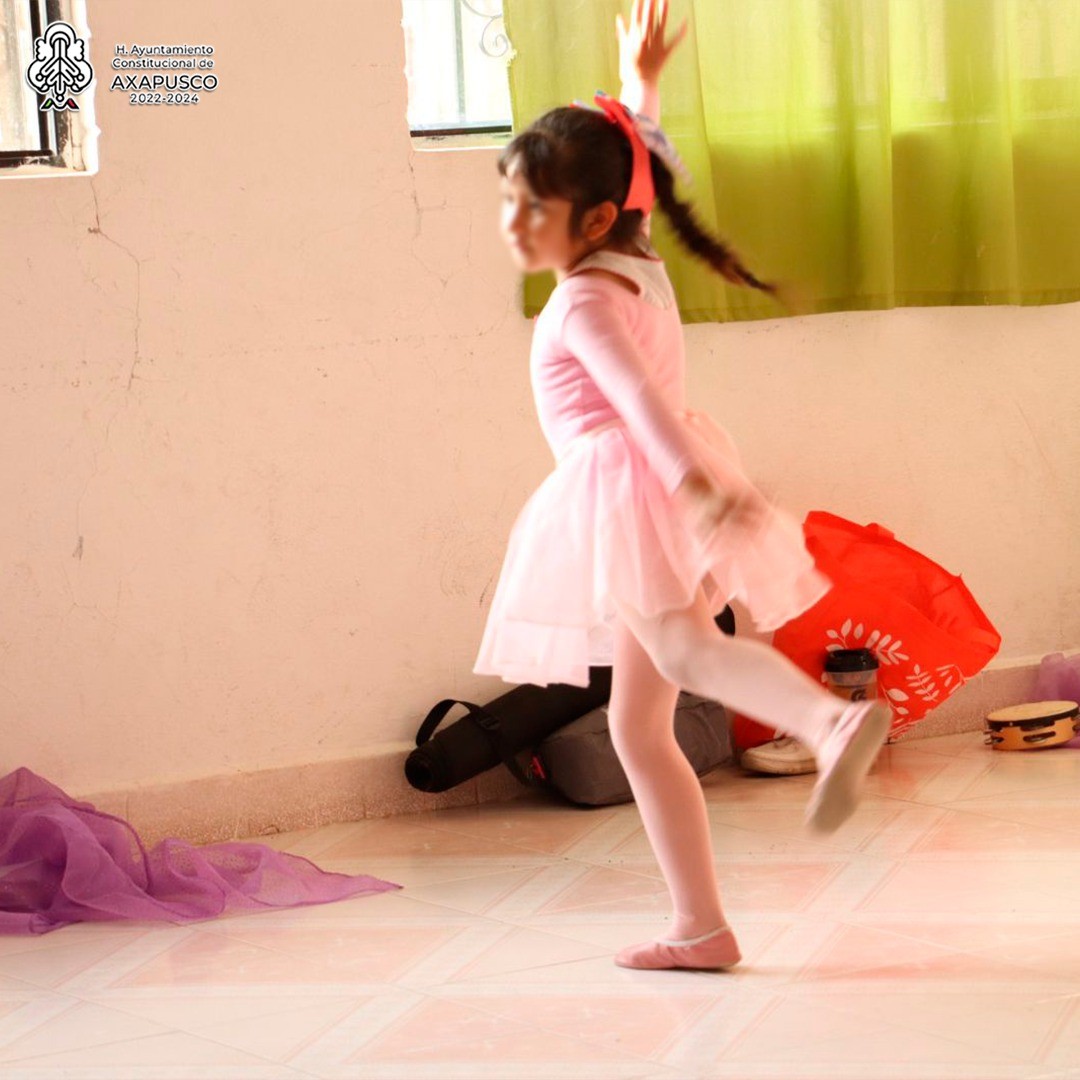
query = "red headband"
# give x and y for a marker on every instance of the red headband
(641, 193)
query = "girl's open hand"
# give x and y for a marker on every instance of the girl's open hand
(642, 49)
(706, 507)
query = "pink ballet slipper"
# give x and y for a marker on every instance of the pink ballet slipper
(844, 759)
(717, 949)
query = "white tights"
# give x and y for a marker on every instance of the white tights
(656, 657)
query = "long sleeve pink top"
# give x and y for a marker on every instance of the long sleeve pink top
(602, 352)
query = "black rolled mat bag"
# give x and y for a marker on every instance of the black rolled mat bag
(555, 738)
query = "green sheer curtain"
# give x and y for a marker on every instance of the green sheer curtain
(882, 152)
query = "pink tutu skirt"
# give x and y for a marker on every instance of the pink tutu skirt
(601, 525)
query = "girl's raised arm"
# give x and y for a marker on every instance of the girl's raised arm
(642, 98)
(643, 52)
(642, 56)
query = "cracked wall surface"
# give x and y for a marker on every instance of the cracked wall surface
(265, 421)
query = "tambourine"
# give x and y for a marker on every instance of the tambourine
(1033, 725)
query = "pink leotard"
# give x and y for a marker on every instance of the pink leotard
(602, 352)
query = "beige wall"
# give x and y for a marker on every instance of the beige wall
(263, 435)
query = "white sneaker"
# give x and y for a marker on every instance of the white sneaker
(784, 757)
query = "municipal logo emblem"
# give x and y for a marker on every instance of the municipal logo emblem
(60, 67)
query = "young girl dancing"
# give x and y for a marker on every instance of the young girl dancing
(648, 525)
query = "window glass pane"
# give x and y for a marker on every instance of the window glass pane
(456, 52)
(18, 103)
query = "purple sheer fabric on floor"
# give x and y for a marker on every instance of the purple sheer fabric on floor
(62, 861)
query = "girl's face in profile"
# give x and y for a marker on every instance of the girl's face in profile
(536, 230)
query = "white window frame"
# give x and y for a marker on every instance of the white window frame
(465, 136)
(68, 139)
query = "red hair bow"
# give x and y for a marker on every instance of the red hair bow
(641, 193)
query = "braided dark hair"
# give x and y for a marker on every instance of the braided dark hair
(579, 155)
(696, 238)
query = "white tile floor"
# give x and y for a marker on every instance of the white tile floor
(935, 936)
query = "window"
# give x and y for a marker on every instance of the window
(456, 56)
(37, 139)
